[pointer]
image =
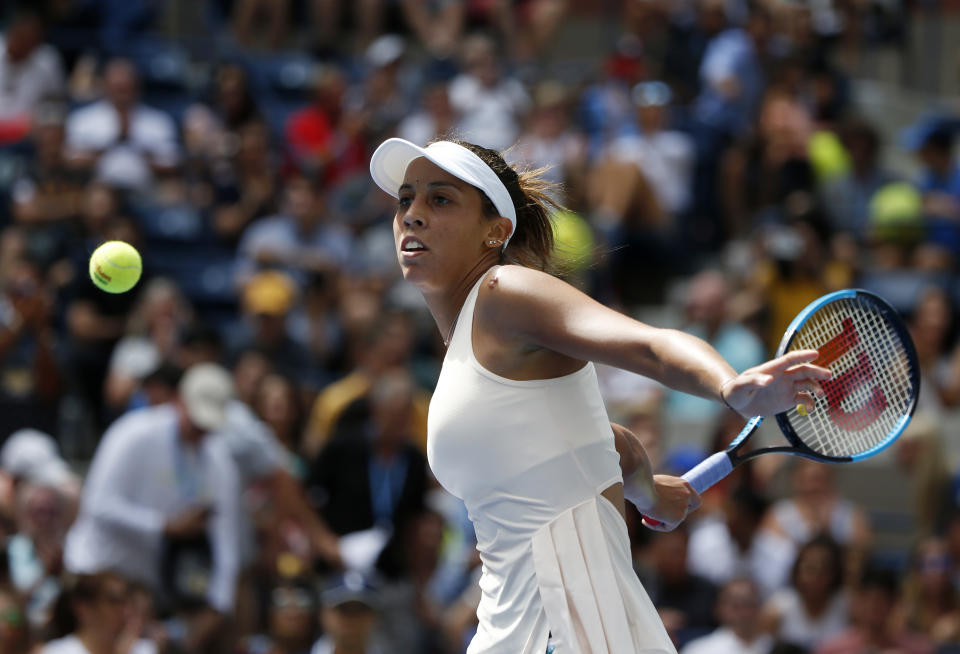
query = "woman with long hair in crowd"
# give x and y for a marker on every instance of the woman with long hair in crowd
(517, 427)
(814, 607)
(96, 615)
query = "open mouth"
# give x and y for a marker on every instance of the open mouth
(412, 245)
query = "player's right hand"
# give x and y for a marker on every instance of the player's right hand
(676, 498)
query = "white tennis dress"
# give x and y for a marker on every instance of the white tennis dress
(530, 459)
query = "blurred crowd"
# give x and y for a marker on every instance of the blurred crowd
(231, 457)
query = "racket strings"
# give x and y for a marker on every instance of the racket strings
(872, 385)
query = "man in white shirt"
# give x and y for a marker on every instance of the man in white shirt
(157, 480)
(491, 105)
(30, 71)
(664, 156)
(123, 140)
(738, 609)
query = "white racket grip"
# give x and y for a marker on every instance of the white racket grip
(709, 471)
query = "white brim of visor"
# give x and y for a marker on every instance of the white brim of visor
(389, 162)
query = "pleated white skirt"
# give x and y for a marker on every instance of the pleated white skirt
(593, 600)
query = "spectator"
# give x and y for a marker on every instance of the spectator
(739, 632)
(292, 619)
(525, 28)
(685, 601)
(367, 15)
(158, 485)
(433, 118)
(438, 26)
(491, 104)
(268, 299)
(771, 166)
(341, 407)
(317, 324)
(873, 629)
(606, 110)
(814, 507)
(247, 188)
(35, 552)
(326, 138)
(273, 18)
(251, 366)
(707, 315)
(411, 609)
(30, 72)
(725, 547)
(375, 477)
(848, 195)
(30, 378)
(306, 239)
(231, 107)
(932, 326)
(791, 272)
(348, 616)
(95, 320)
(732, 75)
(152, 337)
(124, 141)
(550, 141)
(14, 634)
(920, 455)
(813, 608)
(93, 615)
(929, 603)
(932, 142)
(277, 403)
(48, 193)
(664, 156)
(390, 87)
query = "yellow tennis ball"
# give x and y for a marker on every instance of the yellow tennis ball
(115, 267)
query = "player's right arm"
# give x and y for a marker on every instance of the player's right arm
(664, 497)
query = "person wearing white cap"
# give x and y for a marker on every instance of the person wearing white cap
(156, 479)
(517, 427)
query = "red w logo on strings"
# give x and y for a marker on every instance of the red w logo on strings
(841, 385)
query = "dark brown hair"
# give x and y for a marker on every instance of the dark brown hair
(76, 589)
(531, 244)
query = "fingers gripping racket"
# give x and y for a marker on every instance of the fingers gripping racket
(867, 402)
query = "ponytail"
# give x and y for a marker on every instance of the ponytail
(532, 243)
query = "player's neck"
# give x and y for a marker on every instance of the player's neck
(446, 304)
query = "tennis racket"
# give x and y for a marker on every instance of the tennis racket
(867, 402)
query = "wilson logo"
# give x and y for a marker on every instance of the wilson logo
(839, 387)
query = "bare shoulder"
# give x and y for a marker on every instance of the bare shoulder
(510, 291)
(512, 283)
(523, 302)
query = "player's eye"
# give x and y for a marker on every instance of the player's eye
(404, 202)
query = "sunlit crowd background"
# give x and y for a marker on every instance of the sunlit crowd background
(722, 163)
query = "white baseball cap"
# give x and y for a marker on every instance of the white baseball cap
(389, 162)
(205, 390)
(26, 450)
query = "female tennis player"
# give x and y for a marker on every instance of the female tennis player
(517, 427)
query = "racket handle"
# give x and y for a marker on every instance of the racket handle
(709, 471)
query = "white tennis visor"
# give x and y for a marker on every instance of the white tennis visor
(388, 166)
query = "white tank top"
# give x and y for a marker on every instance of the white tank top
(529, 459)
